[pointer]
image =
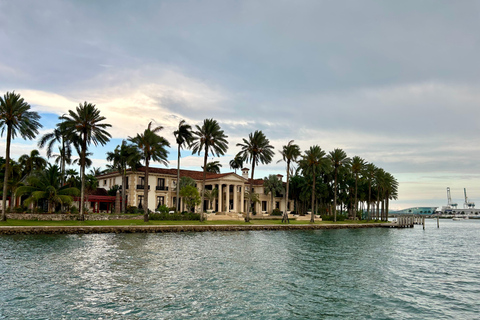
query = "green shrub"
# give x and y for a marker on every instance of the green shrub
(163, 209)
(74, 210)
(19, 209)
(174, 216)
(276, 212)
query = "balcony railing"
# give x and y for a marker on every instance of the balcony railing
(161, 188)
(142, 187)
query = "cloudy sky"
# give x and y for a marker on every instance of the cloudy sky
(395, 82)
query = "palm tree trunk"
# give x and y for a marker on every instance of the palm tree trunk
(202, 207)
(335, 198)
(145, 190)
(82, 172)
(285, 213)
(356, 203)
(369, 199)
(5, 180)
(312, 217)
(178, 180)
(247, 219)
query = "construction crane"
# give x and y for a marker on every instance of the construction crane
(449, 198)
(467, 204)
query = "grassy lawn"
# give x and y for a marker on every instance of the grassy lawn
(11, 222)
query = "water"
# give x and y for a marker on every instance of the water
(324, 274)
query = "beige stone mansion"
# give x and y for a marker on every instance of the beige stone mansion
(162, 186)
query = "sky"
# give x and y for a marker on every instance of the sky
(394, 82)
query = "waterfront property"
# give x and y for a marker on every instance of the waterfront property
(163, 182)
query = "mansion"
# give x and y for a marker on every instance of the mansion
(162, 185)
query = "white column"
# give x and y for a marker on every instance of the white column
(235, 198)
(228, 198)
(220, 196)
(242, 198)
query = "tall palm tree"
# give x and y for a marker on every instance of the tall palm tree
(213, 166)
(83, 127)
(184, 138)
(65, 149)
(32, 162)
(236, 163)
(272, 185)
(391, 191)
(124, 156)
(311, 163)
(152, 147)
(16, 117)
(256, 149)
(46, 185)
(370, 172)
(357, 167)
(208, 138)
(290, 153)
(338, 159)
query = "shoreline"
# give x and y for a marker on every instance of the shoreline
(10, 230)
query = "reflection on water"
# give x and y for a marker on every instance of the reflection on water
(360, 274)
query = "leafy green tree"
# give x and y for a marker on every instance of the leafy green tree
(272, 185)
(256, 149)
(16, 118)
(65, 149)
(46, 185)
(83, 127)
(209, 138)
(338, 159)
(184, 181)
(236, 163)
(123, 157)
(290, 153)
(313, 161)
(191, 196)
(184, 138)
(213, 167)
(153, 148)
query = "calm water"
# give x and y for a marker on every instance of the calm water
(327, 274)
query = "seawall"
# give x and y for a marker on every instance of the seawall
(176, 228)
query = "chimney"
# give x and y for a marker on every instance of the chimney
(279, 176)
(245, 173)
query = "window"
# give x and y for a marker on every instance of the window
(142, 181)
(264, 205)
(161, 182)
(105, 182)
(277, 205)
(126, 183)
(160, 201)
(140, 202)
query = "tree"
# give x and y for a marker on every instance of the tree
(209, 138)
(124, 156)
(370, 172)
(311, 163)
(83, 127)
(256, 149)
(191, 196)
(272, 185)
(31, 162)
(338, 159)
(290, 153)
(211, 195)
(16, 118)
(152, 147)
(213, 167)
(357, 167)
(65, 149)
(391, 191)
(236, 163)
(46, 185)
(184, 138)
(95, 171)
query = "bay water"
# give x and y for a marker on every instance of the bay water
(376, 273)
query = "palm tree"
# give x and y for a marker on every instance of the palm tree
(236, 163)
(46, 185)
(65, 149)
(290, 153)
(83, 127)
(208, 138)
(152, 147)
(184, 137)
(338, 159)
(357, 167)
(124, 156)
(95, 171)
(32, 162)
(16, 117)
(272, 185)
(391, 191)
(213, 167)
(256, 149)
(211, 195)
(311, 163)
(370, 172)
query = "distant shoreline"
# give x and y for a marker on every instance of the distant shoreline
(11, 230)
